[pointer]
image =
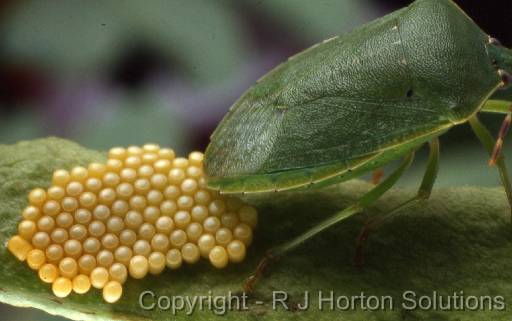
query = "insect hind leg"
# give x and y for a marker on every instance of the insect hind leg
(505, 126)
(377, 176)
(485, 137)
(366, 200)
(423, 193)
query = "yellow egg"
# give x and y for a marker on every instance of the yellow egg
(81, 284)
(59, 235)
(134, 151)
(79, 174)
(194, 232)
(64, 220)
(119, 208)
(96, 170)
(164, 224)
(27, 229)
(112, 291)
(117, 153)
(31, 213)
(223, 236)
(243, 233)
(51, 208)
(166, 153)
(86, 263)
(168, 208)
(69, 204)
(41, 240)
(74, 189)
(61, 177)
(118, 272)
(142, 210)
(173, 259)
(178, 238)
(162, 166)
(160, 242)
(99, 277)
(218, 257)
(19, 247)
(104, 258)
(114, 165)
(35, 259)
(156, 262)
(138, 267)
(196, 158)
(123, 254)
(56, 193)
(68, 267)
(172, 192)
(127, 237)
(190, 253)
(236, 251)
(206, 243)
(248, 215)
(62, 287)
(37, 197)
(48, 273)
(54, 252)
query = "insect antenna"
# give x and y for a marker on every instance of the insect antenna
(499, 142)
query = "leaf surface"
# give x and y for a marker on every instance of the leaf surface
(460, 240)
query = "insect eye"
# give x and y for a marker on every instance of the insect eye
(506, 78)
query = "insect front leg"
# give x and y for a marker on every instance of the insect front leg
(487, 140)
(367, 199)
(423, 193)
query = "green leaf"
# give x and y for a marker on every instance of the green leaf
(460, 240)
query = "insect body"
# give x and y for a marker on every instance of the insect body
(356, 102)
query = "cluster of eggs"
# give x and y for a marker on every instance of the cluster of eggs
(143, 210)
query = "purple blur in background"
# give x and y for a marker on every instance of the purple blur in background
(119, 73)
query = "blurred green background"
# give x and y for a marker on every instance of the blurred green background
(107, 73)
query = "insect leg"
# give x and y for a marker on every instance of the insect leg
(366, 200)
(487, 140)
(377, 176)
(496, 107)
(423, 193)
(499, 142)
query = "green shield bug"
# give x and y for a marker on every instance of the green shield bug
(353, 103)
